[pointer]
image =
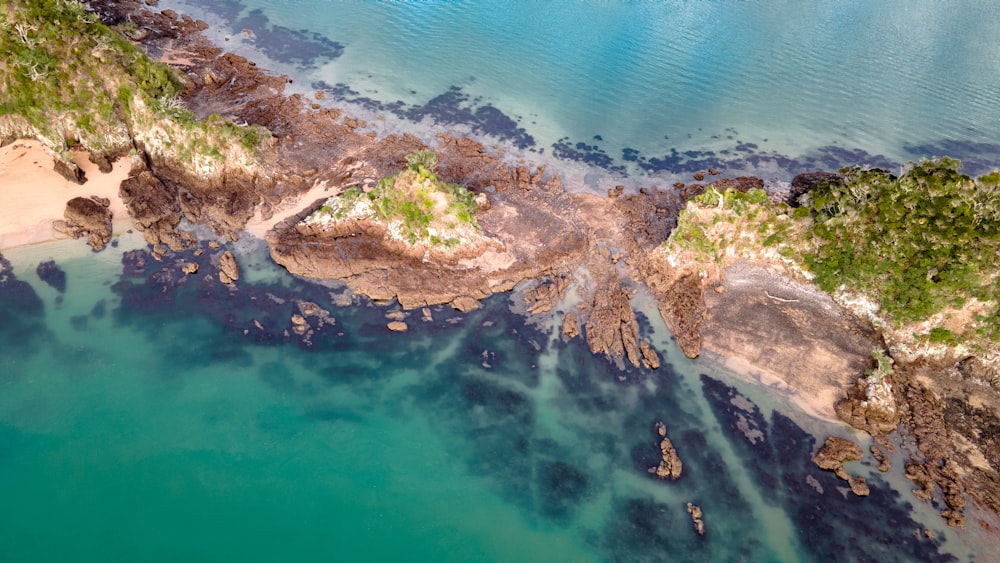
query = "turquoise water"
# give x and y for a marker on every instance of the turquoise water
(149, 416)
(653, 90)
(145, 415)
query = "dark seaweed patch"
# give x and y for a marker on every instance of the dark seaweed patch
(452, 107)
(50, 273)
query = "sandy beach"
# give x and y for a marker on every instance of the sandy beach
(35, 195)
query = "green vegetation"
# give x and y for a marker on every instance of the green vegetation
(425, 208)
(920, 243)
(75, 81)
(732, 224)
(883, 366)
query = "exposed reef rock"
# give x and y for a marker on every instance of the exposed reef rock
(832, 456)
(650, 358)
(229, 270)
(670, 463)
(611, 327)
(571, 325)
(87, 216)
(696, 518)
(526, 237)
(682, 306)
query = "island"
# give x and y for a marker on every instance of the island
(866, 295)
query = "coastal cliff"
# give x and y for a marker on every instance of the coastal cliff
(216, 142)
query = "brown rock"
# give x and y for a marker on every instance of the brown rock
(70, 171)
(229, 270)
(696, 518)
(571, 325)
(612, 328)
(84, 216)
(650, 358)
(670, 463)
(699, 175)
(682, 307)
(465, 303)
(397, 326)
(190, 268)
(832, 456)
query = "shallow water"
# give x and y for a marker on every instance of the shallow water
(145, 415)
(654, 90)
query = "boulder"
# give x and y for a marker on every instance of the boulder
(70, 171)
(229, 270)
(84, 216)
(670, 463)
(832, 456)
(397, 326)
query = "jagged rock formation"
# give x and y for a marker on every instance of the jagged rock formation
(670, 465)
(696, 518)
(229, 270)
(832, 456)
(87, 216)
(611, 326)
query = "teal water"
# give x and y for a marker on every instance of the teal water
(651, 91)
(145, 415)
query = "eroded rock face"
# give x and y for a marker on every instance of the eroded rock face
(87, 216)
(696, 518)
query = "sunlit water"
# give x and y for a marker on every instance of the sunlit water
(148, 415)
(152, 416)
(653, 90)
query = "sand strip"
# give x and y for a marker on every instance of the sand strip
(35, 195)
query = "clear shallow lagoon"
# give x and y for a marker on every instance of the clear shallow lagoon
(147, 418)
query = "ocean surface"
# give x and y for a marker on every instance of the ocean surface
(146, 415)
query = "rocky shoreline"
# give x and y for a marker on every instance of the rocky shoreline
(546, 237)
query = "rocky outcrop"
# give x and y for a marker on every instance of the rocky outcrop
(397, 326)
(611, 326)
(650, 358)
(682, 306)
(870, 406)
(571, 325)
(229, 270)
(696, 518)
(670, 465)
(69, 170)
(88, 217)
(807, 181)
(832, 456)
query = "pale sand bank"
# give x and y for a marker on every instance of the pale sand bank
(35, 195)
(258, 226)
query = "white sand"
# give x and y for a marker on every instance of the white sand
(34, 195)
